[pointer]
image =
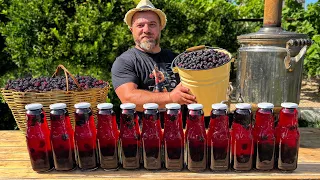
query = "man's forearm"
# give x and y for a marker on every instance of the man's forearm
(140, 97)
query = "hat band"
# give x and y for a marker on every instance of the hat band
(146, 7)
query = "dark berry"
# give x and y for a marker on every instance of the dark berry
(41, 144)
(65, 137)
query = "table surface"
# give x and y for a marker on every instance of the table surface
(15, 164)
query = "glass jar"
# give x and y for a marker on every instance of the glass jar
(107, 136)
(38, 138)
(173, 138)
(241, 138)
(264, 137)
(151, 137)
(85, 137)
(129, 137)
(62, 138)
(287, 137)
(218, 138)
(196, 139)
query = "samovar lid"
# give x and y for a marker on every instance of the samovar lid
(272, 33)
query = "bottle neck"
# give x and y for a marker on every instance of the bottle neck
(151, 115)
(243, 117)
(34, 117)
(195, 115)
(264, 117)
(288, 117)
(82, 116)
(127, 119)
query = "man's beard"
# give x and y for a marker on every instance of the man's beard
(148, 45)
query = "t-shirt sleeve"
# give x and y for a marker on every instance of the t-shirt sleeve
(123, 71)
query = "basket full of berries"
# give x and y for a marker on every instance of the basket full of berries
(66, 89)
(205, 71)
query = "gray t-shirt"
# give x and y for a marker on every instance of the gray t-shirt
(149, 71)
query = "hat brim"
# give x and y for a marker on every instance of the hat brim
(162, 16)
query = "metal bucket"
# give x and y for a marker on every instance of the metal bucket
(209, 86)
(270, 74)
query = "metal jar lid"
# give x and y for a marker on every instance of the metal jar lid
(33, 106)
(105, 106)
(150, 106)
(173, 106)
(195, 106)
(219, 106)
(57, 106)
(127, 106)
(82, 105)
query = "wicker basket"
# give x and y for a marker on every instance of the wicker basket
(18, 100)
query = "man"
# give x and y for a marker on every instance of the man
(142, 74)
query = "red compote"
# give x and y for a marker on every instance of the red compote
(129, 137)
(151, 136)
(287, 137)
(218, 138)
(38, 138)
(264, 137)
(241, 138)
(85, 137)
(62, 138)
(173, 138)
(196, 139)
(107, 135)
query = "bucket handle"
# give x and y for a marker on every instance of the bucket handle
(195, 48)
(174, 68)
(289, 61)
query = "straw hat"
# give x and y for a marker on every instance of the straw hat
(145, 5)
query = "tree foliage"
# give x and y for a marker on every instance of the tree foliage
(87, 35)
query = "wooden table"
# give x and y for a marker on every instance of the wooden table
(15, 164)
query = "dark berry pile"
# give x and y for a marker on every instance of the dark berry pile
(202, 59)
(53, 83)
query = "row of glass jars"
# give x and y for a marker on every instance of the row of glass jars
(260, 146)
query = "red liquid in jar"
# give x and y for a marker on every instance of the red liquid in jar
(107, 134)
(38, 141)
(241, 140)
(173, 140)
(85, 138)
(287, 139)
(218, 140)
(264, 139)
(62, 139)
(196, 141)
(151, 139)
(130, 139)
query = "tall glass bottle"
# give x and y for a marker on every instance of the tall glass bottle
(107, 136)
(173, 138)
(85, 137)
(129, 137)
(151, 137)
(38, 138)
(218, 138)
(196, 139)
(264, 137)
(241, 138)
(62, 138)
(287, 137)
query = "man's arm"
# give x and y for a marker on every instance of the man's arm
(128, 92)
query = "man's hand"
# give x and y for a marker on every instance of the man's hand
(182, 95)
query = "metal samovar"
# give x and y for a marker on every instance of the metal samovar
(270, 61)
